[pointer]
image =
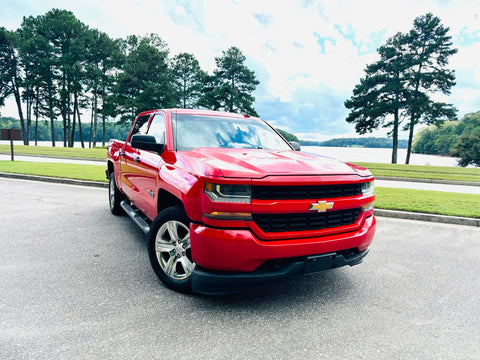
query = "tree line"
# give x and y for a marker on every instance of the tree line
(397, 89)
(42, 132)
(112, 130)
(368, 142)
(57, 67)
(460, 139)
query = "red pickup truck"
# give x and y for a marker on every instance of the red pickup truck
(227, 202)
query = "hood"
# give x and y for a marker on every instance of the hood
(258, 163)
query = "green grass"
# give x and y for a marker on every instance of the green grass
(95, 153)
(61, 170)
(423, 172)
(432, 202)
(388, 170)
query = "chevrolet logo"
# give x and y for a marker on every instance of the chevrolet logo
(321, 206)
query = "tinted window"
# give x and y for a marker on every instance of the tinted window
(193, 131)
(141, 125)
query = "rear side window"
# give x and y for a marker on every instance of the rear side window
(141, 125)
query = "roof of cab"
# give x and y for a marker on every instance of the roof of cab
(198, 112)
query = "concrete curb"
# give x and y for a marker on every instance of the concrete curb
(378, 212)
(54, 180)
(429, 181)
(456, 220)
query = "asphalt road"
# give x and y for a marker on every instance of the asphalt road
(76, 283)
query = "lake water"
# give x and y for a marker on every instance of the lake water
(379, 155)
(345, 154)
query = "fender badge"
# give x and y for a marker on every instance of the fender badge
(321, 206)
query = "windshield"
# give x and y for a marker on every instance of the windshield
(194, 131)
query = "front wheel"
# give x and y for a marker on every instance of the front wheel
(169, 249)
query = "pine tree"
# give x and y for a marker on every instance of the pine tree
(398, 85)
(67, 36)
(380, 96)
(188, 79)
(145, 82)
(103, 57)
(37, 52)
(11, 74)
(231, 86)
(430, 47)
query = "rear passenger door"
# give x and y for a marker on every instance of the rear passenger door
(128, 161)
(147, 166)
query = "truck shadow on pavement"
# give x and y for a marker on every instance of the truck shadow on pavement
(322, 288)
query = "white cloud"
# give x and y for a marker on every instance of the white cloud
(295, 47)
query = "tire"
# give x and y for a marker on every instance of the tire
(169, 249)
(115, 196)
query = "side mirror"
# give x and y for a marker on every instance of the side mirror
(146, 142)
(295, 145)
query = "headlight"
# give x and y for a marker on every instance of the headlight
(228, 193)
(368, 188)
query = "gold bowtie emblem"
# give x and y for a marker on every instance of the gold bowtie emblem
(321, 206)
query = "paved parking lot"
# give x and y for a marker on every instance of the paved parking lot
(76, 283)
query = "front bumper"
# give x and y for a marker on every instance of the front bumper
(228, 259)
(239, 250)
(218, 283)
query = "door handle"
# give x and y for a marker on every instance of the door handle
(122, 153)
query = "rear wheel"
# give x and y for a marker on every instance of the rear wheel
(169, 249)
(115, 196)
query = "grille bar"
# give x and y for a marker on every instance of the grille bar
(261, 192)
(305, 221)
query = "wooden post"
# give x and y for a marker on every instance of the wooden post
(11, 134)
(11, 143)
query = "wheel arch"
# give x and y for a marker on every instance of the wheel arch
(166, 199)
(110, 167)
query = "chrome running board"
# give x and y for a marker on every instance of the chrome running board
(136, 217)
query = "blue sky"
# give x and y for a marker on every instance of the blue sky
(307, 54)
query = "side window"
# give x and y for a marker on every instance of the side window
(157, 128)
(141, 125)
